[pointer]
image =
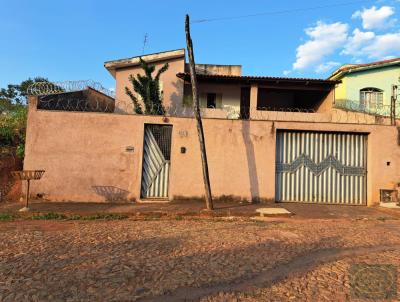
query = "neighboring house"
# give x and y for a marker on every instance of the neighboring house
(267, 139)
(367, 87)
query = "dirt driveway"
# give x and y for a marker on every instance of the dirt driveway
(191, 259)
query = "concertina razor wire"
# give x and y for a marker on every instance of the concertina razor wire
(71, 96)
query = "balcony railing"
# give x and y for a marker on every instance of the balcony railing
(371, 108)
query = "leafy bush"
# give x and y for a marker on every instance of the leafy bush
(13, 113)
(13, 128)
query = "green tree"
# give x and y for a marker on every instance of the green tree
(13, 129)
(16, 94)
(148, 89)
(13, 114)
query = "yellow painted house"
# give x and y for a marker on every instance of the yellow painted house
(368, 87)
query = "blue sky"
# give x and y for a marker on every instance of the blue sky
(70, 40)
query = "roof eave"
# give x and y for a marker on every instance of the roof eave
(186, 76)
(113, 65)
(339, 73)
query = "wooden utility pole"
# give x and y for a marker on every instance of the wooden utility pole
(200, 132)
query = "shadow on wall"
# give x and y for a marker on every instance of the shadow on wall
(176, 101)
(111, 193)
(251, 162)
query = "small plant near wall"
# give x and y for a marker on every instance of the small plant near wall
(148, 88)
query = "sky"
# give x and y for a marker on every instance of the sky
(68, 40)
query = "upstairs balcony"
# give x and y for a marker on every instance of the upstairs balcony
(261, 98)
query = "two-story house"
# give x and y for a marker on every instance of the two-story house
(368, 87)
(267, 139)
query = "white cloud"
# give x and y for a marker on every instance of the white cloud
(389, 57)
(374, 18)
(324, 40)
(376, 39)
(384, 45)
(325, 67)
(369, 44)
(357, 42)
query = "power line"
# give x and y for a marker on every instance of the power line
(145, 40)
(278, 12)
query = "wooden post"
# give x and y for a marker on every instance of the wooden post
(393, 105)
(27, 194)
(200, 132)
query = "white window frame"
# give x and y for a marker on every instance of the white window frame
(371, 98)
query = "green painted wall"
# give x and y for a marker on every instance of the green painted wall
(382, 78)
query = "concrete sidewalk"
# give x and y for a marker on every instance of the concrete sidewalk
(195, 208)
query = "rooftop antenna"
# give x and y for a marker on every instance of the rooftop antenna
(145, 39)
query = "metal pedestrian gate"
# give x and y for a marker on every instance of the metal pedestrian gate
(321, 167)
(156, 161)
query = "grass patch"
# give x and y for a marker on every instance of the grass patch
(178, 217)
(49, 216)
(384, 218)
(6, 217)
(109, 216)
(58, 216)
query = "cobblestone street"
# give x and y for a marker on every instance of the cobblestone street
(192, 259)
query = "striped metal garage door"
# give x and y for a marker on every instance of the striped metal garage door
(321, 167)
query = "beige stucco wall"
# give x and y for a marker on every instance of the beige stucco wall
(326, 104)
(80, 150)
(230, 94)
(172, 86)
(218, 69)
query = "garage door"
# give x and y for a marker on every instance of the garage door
(321, 167)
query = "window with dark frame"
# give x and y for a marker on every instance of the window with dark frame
(211, 100)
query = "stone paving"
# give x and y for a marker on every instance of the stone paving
(327, 282)
(189, 259)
